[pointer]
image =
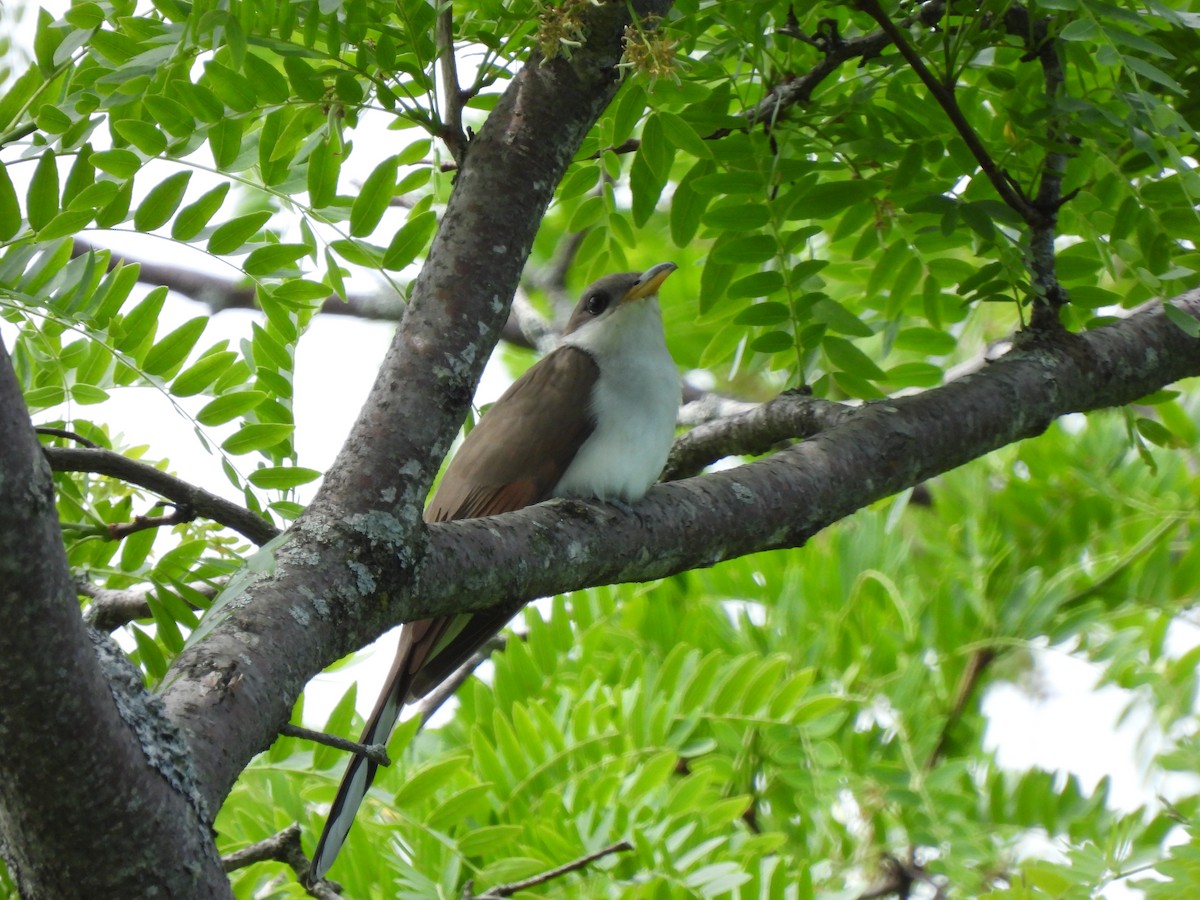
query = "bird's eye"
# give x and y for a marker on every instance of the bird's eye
(596, 303)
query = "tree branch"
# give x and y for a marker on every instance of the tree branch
(141, 805)
(284, 847)
(790, 416)
(110, 609)
(507, 890)
(451, 131)
(1008, 189)
(186, 496)
(373, 494)
(377, 753)
(319, 612)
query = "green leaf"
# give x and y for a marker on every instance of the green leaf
(374, 198)
(683, 135)
(1188, 324)
(162, 201)
(231, 235)
(87, 394)
(270, 83)
(257, 437)
(324, 165)
(42, 199)
(232, 88)
(760, 284)
(229, 406)
(849, 358)
(120, 163)
(142, 135)
(65, 224)
(832, 313)
(193, 217)
(274, 258)
(282, 478)
(1084, 29)
(763, 314)
(929, 341)
(142, 321)
(410, 240)
(773, 342)
(168, 354)
(736, 216)
(225, 139)
(10, 207)
(202, 373)
(751, 249)
(688, 205)
(170, 114)
(307, 84)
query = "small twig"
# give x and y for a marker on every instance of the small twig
(976, 665)
(69, 435)
(507, 890)
(105, 462)
(1007, 187)
(452, 131)
(376, 753)
(120, 530)
(282, 847)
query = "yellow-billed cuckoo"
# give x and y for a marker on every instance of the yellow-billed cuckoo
(593, 418)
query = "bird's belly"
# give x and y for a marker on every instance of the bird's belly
(635, 426)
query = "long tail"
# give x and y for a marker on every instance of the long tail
(417, 640)
(428, 653)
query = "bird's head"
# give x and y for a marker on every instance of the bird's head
(607, 299)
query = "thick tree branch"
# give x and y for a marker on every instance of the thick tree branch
(187, 496)
(89, 767)
(226, 695)
(777, 502)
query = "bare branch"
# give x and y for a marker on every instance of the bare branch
(210, 506)
(283, 847)
(451, 131)
(376, 753)
(117, 531)
(64, 433)
(111, 609)
(507, 890)
(790, 416)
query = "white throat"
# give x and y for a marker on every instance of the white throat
(635, 402)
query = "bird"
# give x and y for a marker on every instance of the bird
(593, 419)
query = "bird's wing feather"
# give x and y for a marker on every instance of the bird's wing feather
(504, 464)
(519, 450)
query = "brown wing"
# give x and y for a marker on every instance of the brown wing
(520, 449)
(512, 459)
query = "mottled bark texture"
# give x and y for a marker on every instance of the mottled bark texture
(97, 797)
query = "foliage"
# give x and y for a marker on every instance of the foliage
(763, 728)
(785, 745)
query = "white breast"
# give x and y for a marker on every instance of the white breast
(635, 402)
